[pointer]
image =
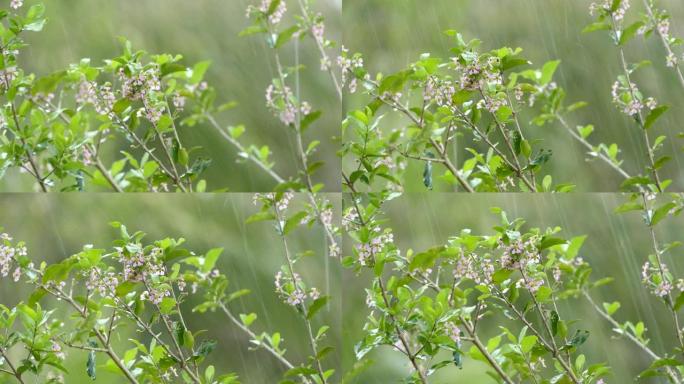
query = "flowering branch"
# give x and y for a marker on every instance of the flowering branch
(478, 287)
(470, 93)
(659, 20)
(620, 330)
(626, 95)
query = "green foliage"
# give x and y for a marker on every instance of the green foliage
(479, 96)
(427, 305)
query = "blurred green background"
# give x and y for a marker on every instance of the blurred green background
(242, 69)
(393, 33)
(58, 225)
(617, 246)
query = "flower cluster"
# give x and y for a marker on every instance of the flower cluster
(327, 217)
(137, 86)
(275, 16)
(629, 99)
(519, 254)
(138, 266)
(440, 91)
(531, 284)
(348, 65)
(179, 101)
(280, 201)
(453, 332)
(350, 219)
(8, 256)
(318, 29)
(16, 4)
(291, 289)
(7, 76)
(102, 99)
(605, 8)
(283, 104)
(478, 75)
(380, 241)
(657, 277)
(659, 21)
(104, 283)
(479, 270)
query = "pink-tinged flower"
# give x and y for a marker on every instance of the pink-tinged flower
(305, 108)
(453, 332)
(663, 289)
(179, 101)
(534, 285)
(314, 294)
(334, 250)
(264, 7)
(16, 4)
(671, 60)
(318, 30)
(633, 107)
(664, 28)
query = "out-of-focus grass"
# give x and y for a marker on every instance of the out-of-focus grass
(58, 225)
(242, 69)
(393, 33)
(617, 246)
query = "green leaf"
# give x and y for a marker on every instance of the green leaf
(34, 18)
(294, 221)
(543, 294)
(205, 348)
(121, 105)
(210, 259)
(601, 26)
(316, 306)
(679, 302)
(548, 242)
(574, 246)
(236, 132)
(198, 72)
(90, 365)
(577, 105)
(248, 319)
(251, 30)
(125, 288)
(661, 213)
(237, 294)
(629, 32)
(309, 119)
(554, 322)
(654, 115)
(501, 275)
(586, 130)
(425, 259)
(56, 272)
(167, 305)
(578, 339)
(427, 175)
(209, 374)
(548, 70)
(527, 343)
(285, 36)
(612, 307)
(458, 359)
(260, 216)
